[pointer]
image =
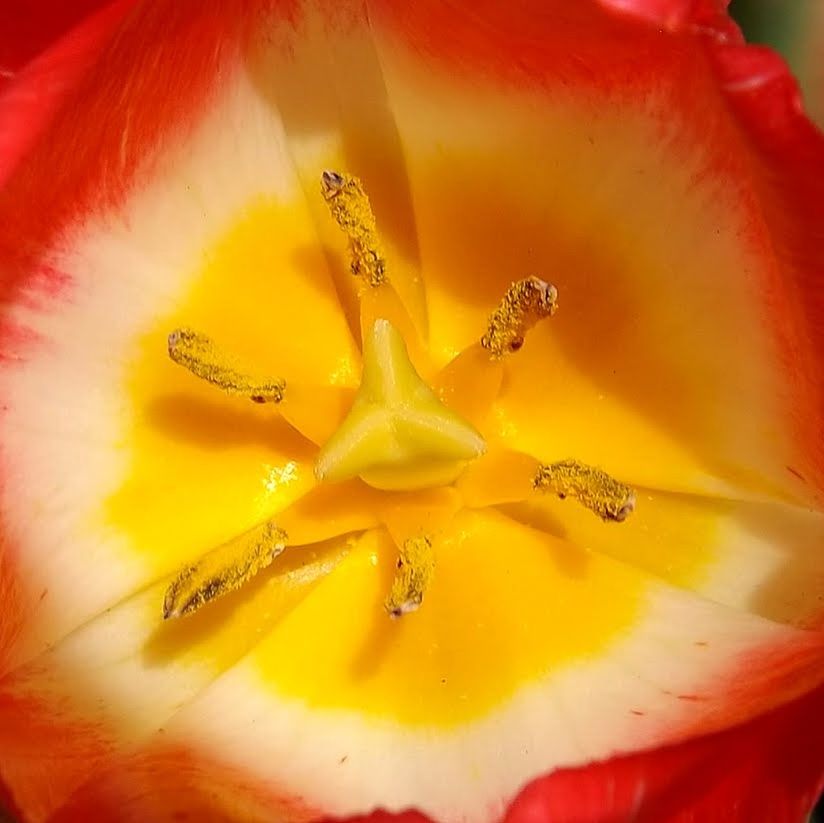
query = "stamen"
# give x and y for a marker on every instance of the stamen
(599, 492)
(223, 570)
(524, 304)
(201, 357)
(350, 207)
(470, 383)
(416, 564)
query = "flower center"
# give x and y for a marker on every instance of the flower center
(400, 436)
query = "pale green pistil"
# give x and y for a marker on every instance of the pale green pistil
(398, 434)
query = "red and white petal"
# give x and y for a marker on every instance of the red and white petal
(169, 782)
(119, 678)
(615, 171)
(767, 769)
(668, 677)
(90, 312)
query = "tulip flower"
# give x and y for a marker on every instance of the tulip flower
(410, 411)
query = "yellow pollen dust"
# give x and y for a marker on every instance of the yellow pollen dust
(593, 488)
(223, 570)
(350, 207)
(398, 434)
(415, 566)
(197, 353)
(524, 304)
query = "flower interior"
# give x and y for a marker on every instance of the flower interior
(392, 473)
(399, 434)
(413, 421)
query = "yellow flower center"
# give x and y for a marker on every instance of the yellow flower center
(397, 436)
(509, 577)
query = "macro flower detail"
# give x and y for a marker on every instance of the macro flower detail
(398, 435)
(477, 478)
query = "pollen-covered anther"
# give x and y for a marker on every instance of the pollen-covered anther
(524, 304)
(593, 488)
(415, 567)
(198, 353)
(349, 205)
(223, 570)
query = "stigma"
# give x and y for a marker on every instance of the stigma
(398, 434)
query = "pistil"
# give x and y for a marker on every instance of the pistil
(398, 434)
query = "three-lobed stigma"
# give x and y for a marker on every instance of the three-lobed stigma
(398, 434)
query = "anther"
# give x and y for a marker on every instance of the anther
(223, 570)
(201, 357)
(524, 304)
(415, 566)
(593, 488)
(349, 205)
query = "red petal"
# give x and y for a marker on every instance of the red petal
(29, 100)
(28, 27)
(165, 55)
(788, 152)
(709, 15)
(170, 783)
(42, 747)
(771, 769)
(787, 158)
